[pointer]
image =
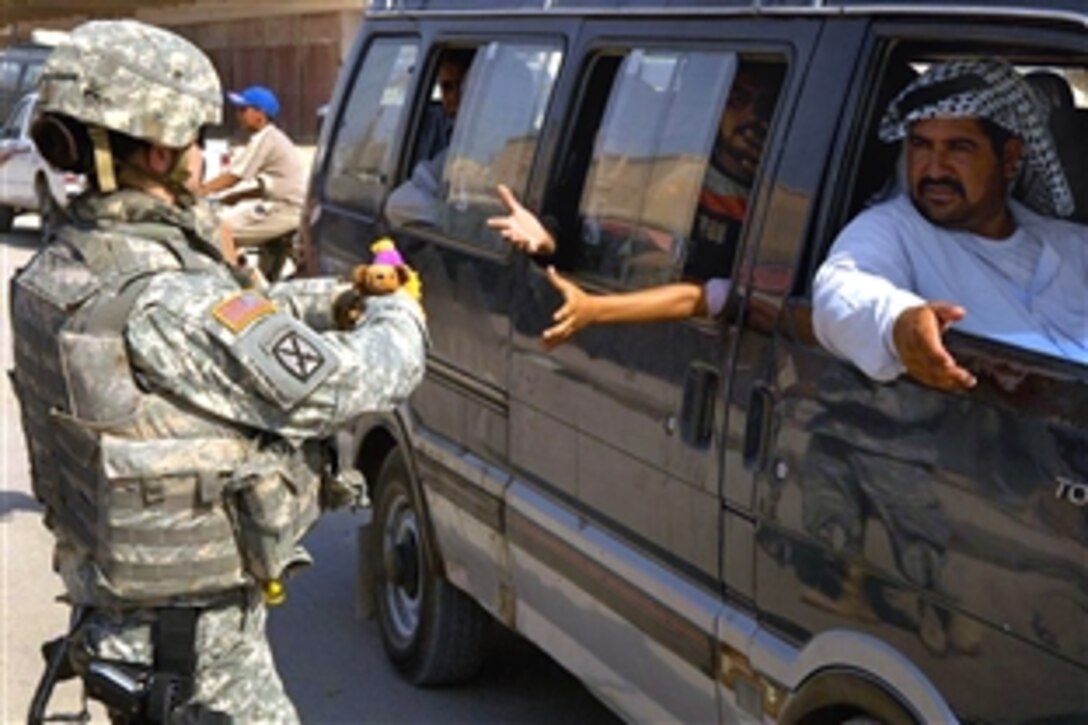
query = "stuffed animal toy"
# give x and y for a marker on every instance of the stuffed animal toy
(385, 274)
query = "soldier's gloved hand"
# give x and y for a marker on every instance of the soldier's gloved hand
(348, 308)
(347, 488)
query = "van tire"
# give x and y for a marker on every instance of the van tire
(431, 631)
(7, 219)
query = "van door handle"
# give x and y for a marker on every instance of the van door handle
(757, 429)
(697, 409)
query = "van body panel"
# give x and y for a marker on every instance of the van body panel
(850, 651)
(952, 548)
(616, 392)
(650, 633)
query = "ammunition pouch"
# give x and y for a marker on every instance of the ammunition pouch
(276, 500)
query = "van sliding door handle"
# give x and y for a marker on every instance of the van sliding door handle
(757, 429)
(697, 410)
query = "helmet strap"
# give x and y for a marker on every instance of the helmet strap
(173, 181)
(103, 159)
(177, 177)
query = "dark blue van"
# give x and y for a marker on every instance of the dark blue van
(708, 520)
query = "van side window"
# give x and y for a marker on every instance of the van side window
(879, 174)
(676, 152)
(362, 147)
(504, 98)
(435, 129)
(893, 169)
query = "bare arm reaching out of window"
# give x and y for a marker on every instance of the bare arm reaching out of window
(676, 301)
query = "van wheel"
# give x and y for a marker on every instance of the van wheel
(7, 219)
(432, 631)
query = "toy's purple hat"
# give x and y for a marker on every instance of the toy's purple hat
(389, 256)
(386, 253)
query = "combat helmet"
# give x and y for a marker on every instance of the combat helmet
(131, 78)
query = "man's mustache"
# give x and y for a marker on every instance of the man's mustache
(947, 183)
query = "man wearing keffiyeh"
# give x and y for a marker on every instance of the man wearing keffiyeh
(955, 247)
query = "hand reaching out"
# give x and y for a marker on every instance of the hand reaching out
(917, 338)
(520, 226)
(578, 310)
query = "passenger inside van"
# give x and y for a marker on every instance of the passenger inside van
(954, 248)
(416, 199)
(716, 229)
(436, 128)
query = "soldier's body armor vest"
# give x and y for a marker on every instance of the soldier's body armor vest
(133, 480)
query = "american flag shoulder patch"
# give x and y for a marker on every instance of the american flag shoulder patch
(241, 310)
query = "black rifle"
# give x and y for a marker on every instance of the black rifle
(57, 668)
(139, 693)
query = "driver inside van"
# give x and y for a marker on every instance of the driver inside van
(956, 248)
(716, 230)
(415, 201)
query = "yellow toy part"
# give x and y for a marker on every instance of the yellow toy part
(274, 593)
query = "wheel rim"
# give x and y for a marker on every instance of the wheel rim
(403, 569)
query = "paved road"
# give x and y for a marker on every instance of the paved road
(333, 665)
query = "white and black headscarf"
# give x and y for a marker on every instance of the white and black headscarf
(992, 89)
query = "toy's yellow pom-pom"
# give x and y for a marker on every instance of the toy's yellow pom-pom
(414, 286)
(274, 593)
(382, 245)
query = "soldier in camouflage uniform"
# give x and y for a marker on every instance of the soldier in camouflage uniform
(173, 417)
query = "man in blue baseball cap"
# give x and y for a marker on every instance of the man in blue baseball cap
(257, 97)
(270, 159)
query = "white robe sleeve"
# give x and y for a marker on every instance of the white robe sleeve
(860, 291)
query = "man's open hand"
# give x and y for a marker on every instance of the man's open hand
(520, 226)
(917, 337)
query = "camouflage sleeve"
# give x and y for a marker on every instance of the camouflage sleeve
(237, 356)
(310, 300)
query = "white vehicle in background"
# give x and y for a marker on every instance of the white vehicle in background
(27, 182)
(217, 154)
